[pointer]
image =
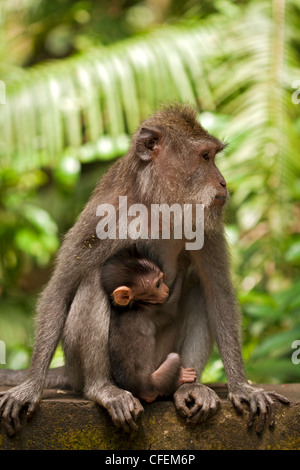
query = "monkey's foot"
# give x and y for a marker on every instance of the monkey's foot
(11, 403)
(149, 398)
(260, 403)
(196, 402)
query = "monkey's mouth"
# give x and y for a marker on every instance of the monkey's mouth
(220, 199)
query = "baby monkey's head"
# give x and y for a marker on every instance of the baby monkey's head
(132, 277)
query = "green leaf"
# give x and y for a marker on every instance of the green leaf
(277, 344)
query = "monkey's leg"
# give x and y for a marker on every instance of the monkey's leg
(194, 340)
(169, 376)
(195, 401)
(169, 368)
(165, 379)
(85, 343)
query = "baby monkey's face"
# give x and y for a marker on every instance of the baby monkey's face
(146, 287)
(152, 288)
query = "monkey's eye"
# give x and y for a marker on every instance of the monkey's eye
(157, 285)
(150, 144)
(205, 155)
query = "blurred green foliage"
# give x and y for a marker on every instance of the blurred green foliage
(80, 75)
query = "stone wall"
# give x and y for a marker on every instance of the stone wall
(67, 421)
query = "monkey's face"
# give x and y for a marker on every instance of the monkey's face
(206, 183)
(148, 288)
(152, 289)
(178, 162)
(198, 179)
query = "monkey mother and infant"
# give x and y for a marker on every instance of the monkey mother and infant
(137, 318)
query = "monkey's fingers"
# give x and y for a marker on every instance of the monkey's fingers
(138, 409)
(272, 406)
(262, 406)
(10, 414)
(123, 419)
(196, 402)
(131, 415)
(188, 376)
(258, 407)
(119, 420)
(181, 400)
(280, 398)
(206, 406)
(125, 413)
(237, 402)
(188, 379)
(199, 411)
(188, 371)
(266, 409)
(31, 409)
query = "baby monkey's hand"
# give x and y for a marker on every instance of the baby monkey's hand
(187, 375)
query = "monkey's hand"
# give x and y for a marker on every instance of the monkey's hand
(260, 403)
(196, 402)
(13, 400)
(123, 407)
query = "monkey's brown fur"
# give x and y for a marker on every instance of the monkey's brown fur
(134, 324)
(170, 160)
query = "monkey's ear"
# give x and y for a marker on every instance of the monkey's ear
(148, 143)
(123, 295)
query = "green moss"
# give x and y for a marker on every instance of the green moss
(292, 443)
(91, 438)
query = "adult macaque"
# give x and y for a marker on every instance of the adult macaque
(135, 286)
(171, 160)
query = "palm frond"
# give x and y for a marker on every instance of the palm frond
(99, 97)
(90, 104)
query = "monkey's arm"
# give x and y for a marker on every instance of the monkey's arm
(223, 316)
(50, 321)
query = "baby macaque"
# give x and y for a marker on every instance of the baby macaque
(135, 286)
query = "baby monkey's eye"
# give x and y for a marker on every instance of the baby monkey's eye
(158, 284)
(205, 155)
